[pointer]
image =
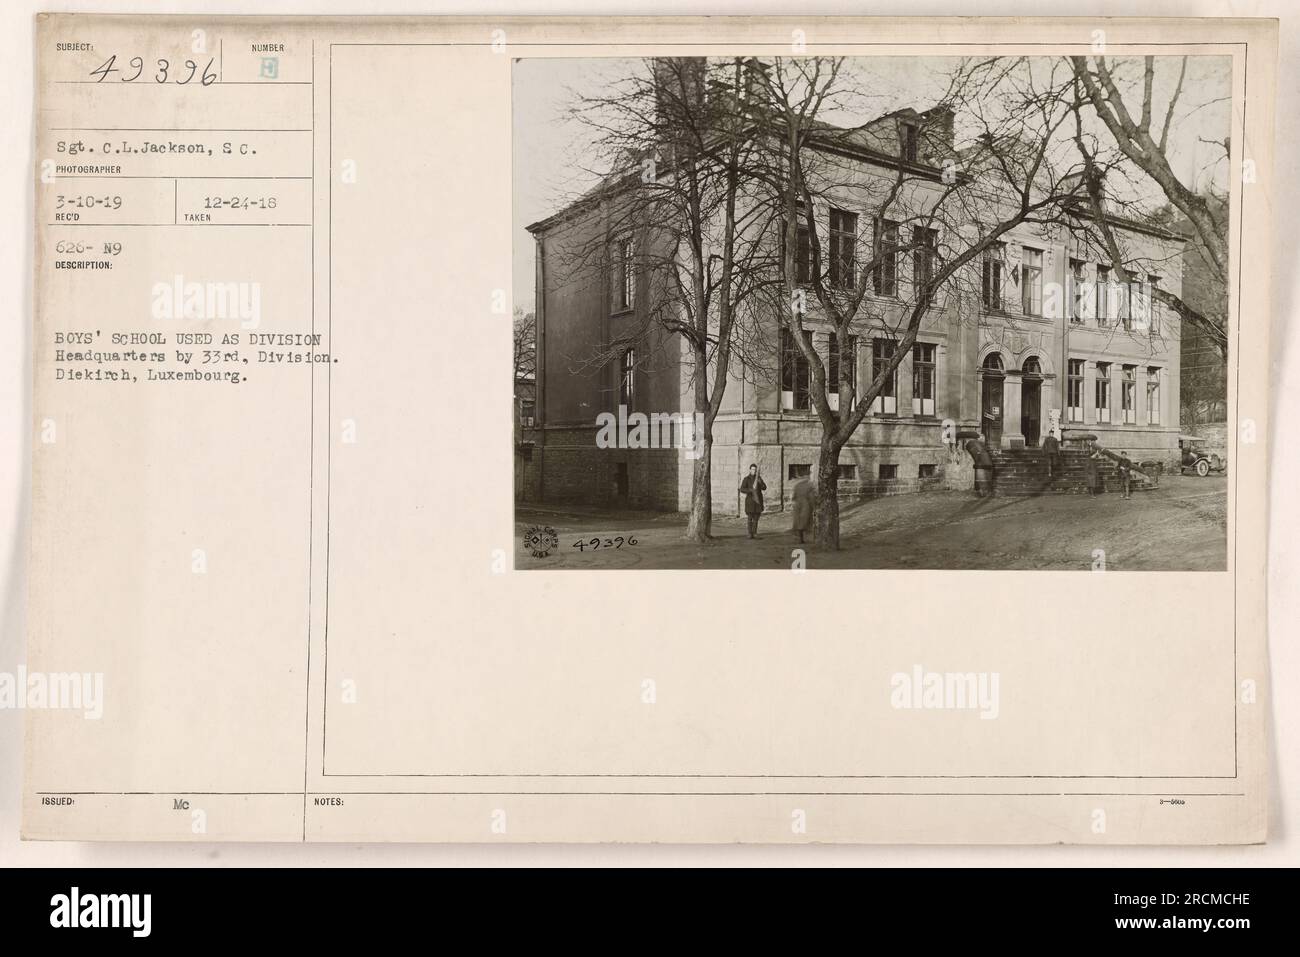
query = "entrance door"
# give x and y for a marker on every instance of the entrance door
(991, 400)
(1031, 395)
(1031, 401)
(991, 410)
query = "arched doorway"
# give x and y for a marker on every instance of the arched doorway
(991, 399)
(1031, 401)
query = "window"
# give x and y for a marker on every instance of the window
(1078, 286)
(925, 471)
(833, 369)
(991, 282)
(527, 412)
(1074, 393)
(886, 403)
(1153, 395)
(844, 240)
(924, 242)
(627, 274)
(923, 378)
(888, 473)
(1128, 394)
(1101, 397)
(627, 378)
(795, 373)
(907, 141)
(849, 472)
(1103, 295)
(1031, 281)
(798, 471)
(803, 256)
(1120, 304)
(1153, 307)
(885, 275)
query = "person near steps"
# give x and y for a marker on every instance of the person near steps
(983, 462)
(1052, 446)
(1126, 476)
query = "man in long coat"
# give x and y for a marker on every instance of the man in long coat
(1052, 446)
(1092, 473)
(752, 488)
(983, 462)
(804, 494)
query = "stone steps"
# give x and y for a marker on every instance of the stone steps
(1024, 472)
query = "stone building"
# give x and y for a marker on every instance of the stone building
(1038, 338)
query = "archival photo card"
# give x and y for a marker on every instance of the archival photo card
(692, 430)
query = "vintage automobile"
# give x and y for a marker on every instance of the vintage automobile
(1194, 458)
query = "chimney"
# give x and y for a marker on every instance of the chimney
(679, 90)
(937, 134)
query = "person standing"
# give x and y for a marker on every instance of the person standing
(1092, 472)
(752, 487)
(983, 467)
(1052, 446)
(1126, 475)
(804, 494)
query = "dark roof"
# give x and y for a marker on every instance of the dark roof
(850, 140)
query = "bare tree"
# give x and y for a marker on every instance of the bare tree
(947, 210)
(1098, 86)
(525, 344)
(676, 139)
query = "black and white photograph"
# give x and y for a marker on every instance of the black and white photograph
(971, 327)
(807, 311)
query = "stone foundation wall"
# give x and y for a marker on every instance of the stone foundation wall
(574, 471)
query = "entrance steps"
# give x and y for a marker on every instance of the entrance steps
(1024, 472)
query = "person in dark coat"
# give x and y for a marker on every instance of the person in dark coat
(1052, 446)
(1093, 471)
(752, 488)
(1126, 475)
(983, 467)
(804, 494)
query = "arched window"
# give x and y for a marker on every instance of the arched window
(993, 363)
(627, 378)
(1031, 366)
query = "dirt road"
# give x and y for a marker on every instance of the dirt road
(1179, 526)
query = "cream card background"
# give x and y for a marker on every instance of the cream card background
(558, 687)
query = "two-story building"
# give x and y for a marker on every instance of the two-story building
(1034, 337)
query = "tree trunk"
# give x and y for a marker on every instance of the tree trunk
(700, 524)
(827, 518)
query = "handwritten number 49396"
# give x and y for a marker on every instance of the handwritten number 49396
(618, 541)
(161, 75)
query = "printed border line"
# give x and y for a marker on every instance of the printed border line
(311, 454)
(342, 793)
(1245, 47)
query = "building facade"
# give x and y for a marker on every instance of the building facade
(1033, 338)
